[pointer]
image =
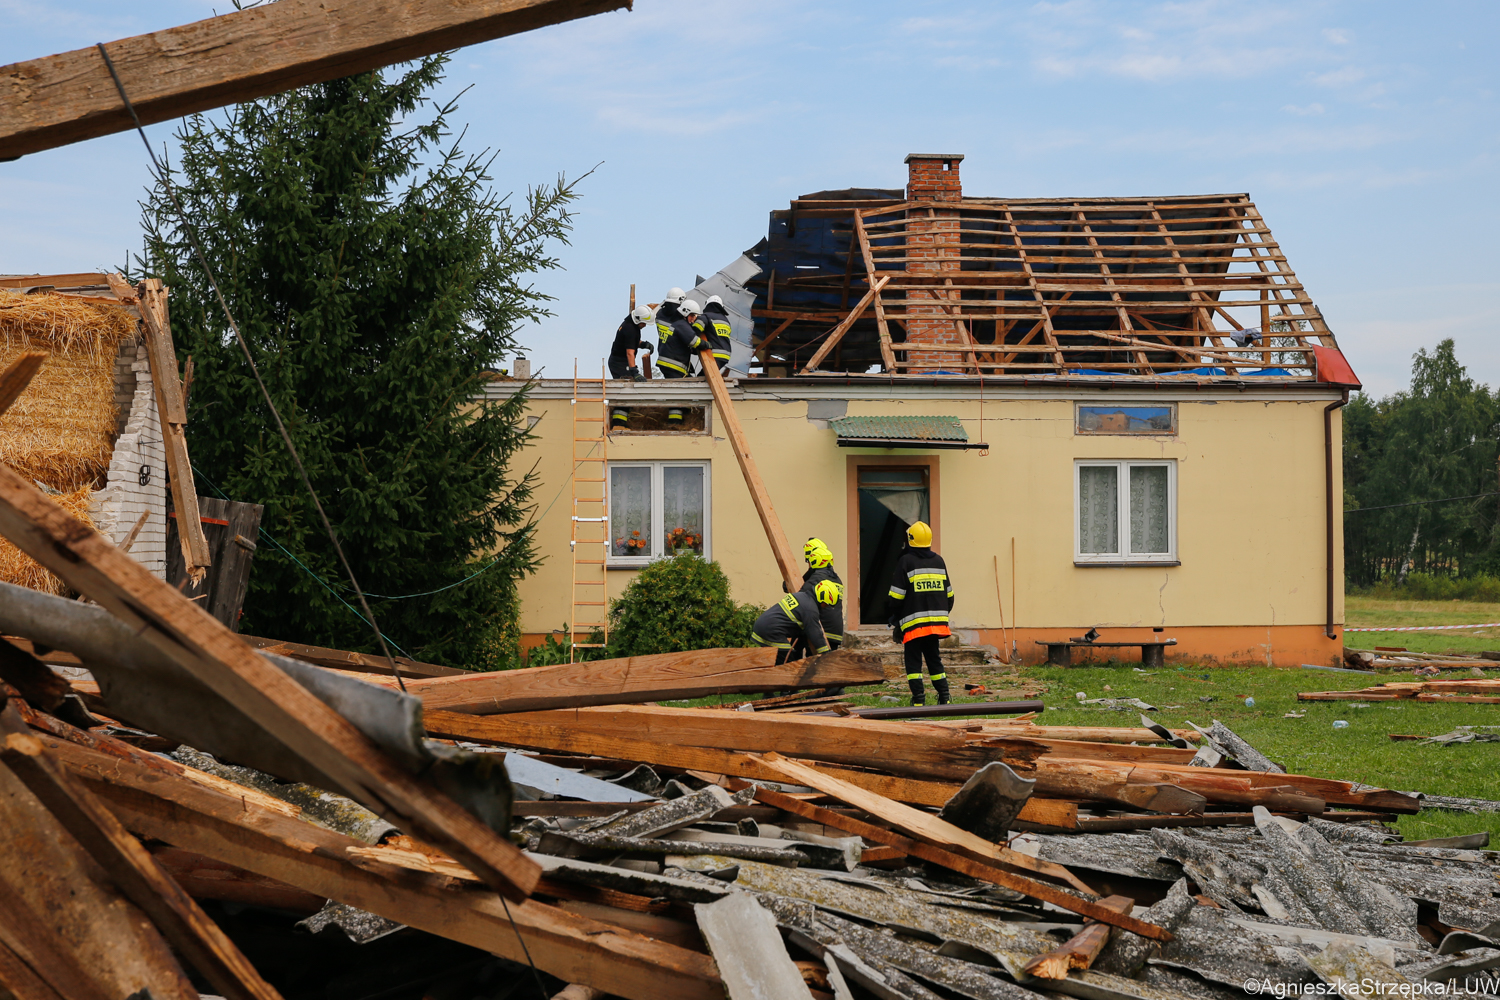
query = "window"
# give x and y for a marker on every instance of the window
(657, 509)
(1127, 512)
(1149, 420)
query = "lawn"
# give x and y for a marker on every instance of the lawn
(1374, 612)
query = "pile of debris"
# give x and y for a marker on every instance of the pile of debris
(1393, 658)
(262, 818)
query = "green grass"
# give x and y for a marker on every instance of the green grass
(1374, 611)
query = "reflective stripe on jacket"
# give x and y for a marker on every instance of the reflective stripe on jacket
(793, 617)
(921, 594)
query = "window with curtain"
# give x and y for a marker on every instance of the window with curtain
(657, 509)
(1126, 511)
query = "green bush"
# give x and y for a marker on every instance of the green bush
(678, 604)
(1432, 587)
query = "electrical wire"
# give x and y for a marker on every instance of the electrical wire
(165, 180)
(1420, 503)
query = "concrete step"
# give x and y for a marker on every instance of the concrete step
(956, 655)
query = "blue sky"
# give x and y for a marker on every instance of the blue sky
(1367, 133)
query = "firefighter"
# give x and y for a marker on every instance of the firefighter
(827, 587)
(716, 326)
(627, 342)
(791, 625)
(921, 598)
(678, 342)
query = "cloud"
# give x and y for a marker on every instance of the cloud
(1342, 77)
(1308, 109)
(1337, 36)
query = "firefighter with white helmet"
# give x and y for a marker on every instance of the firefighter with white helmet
(716, 329)
(622, 353)
(680, 342)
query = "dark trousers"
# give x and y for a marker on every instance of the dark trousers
(671, 372)
(798, 650)
(917, 650)
(618, 368)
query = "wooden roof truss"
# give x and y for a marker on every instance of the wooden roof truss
(1112, 286)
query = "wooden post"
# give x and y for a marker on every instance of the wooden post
(151, 299)
(838, 332)
(786, 563)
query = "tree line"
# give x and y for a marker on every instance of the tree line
(1406, 458)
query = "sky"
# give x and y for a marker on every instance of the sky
(1367, 133)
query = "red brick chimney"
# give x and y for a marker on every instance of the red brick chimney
(932, 252)
(933, 177)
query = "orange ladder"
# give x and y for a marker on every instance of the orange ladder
(589, 543)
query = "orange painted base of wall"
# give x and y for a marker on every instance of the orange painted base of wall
(1212, 645)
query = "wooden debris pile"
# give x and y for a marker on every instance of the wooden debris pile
(1478, 691)
(554, 831)
(1404, 659)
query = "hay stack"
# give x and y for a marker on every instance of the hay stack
(60, 432)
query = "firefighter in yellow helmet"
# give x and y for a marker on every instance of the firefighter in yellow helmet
(921, 597)
(824, 580)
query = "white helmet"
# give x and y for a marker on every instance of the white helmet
(674, 295)
(688, 307)
(640, 314)
(714, 300)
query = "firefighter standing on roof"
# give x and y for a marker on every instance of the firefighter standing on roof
(678, 343)
(921, 597)
(716, 329)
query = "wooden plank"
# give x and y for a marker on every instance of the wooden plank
(131, 867)
(23, 982)
(18, 376)
(267, 696)
(1079, 951)
(887, 354)
(958, 863)
(923, 826)
(60, 915)
(216, 825)
(837, 333)
(743, 939)
(663, 677)
(786, 563)
(230, 529)
(244, 55)
(341, 659)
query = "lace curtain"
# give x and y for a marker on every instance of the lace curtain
(682, 510)
(630, 511)
(1148, 509)
(1098, 509)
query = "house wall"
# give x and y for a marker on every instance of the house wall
(118, 506)
(1250, 587)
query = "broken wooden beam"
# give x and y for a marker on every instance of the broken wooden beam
(18, 375)
(244, 55)
(661, 677)
(130, 866)
(218, 825)
(1079, 951)
(966, 866)
(284, 709)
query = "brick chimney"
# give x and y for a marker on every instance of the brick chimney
(933, 177)
(932, 250)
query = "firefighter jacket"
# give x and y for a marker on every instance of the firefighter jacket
(921, 595)
(716, 322)
(794, 617)
(679, 342)
(830, 615)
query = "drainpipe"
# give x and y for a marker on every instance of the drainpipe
(1328, 492)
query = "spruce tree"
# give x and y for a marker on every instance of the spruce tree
(377, 278)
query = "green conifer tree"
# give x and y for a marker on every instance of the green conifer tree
(376, 278)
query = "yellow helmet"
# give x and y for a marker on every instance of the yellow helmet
(828, 592)
(919, 536)
(817, 553)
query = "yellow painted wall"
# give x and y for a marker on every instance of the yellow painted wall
(1250, 509)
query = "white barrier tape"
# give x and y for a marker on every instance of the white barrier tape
(1421, 628)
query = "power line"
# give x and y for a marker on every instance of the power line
(1419, 503)
(164, 178)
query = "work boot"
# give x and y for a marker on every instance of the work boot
(941, 687)
(918, 696)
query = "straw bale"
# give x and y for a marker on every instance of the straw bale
(61, 429)
(20, 569)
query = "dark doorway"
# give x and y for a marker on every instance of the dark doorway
(891, 499)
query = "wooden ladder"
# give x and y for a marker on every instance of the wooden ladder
(589, 543)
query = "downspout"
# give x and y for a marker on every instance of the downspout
(1328, 492)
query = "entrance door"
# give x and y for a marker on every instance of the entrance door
(891, 499)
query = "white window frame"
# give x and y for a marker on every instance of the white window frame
(1125, 557)
(658, 528)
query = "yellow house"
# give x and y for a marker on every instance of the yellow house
(1114, 413)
